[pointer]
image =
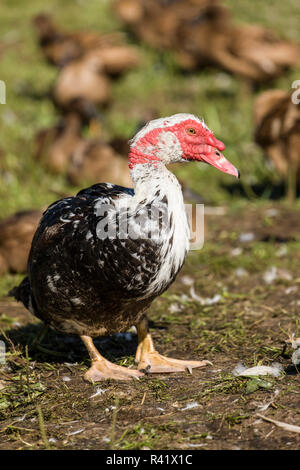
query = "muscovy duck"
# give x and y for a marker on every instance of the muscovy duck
(16, 233)
(89, 276)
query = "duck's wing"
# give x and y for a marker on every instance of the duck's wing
(105, 190)
(77, 215)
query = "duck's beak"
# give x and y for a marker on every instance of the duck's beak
(217, 159)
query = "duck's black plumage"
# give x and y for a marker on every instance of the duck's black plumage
(99, 259)
(80, 283)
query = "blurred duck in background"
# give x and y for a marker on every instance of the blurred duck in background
(157, 22)
(54, 146)
(87, 61)
(201, 32)
(277, 122)
(82, 86)
(60, 47)
(63, 149)
(16, 233)
(96, 160)
(251, 52)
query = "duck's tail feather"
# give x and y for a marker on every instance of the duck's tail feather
(22, 293)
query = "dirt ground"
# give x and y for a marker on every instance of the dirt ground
(250, 261)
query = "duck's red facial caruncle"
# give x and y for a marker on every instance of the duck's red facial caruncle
(178, 138)
(199, 144)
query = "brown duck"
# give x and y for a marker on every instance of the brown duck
(249, 51)
(277, 121)
(82, 84)
(201, 32)
(55, 146)
(60, 47)
(16, 233)
(97, 160)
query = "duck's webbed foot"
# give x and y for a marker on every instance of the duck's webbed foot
(102, 369)
(149, 360)
(153, 362)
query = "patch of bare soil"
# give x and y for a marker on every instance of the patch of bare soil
(237, 300)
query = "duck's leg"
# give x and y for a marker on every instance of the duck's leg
(102, 369)
(151, 361)
(40, 335)
(36, 343)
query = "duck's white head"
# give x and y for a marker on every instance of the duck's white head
(178, 138)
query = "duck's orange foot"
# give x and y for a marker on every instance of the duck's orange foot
(153, 362)
(104, 370)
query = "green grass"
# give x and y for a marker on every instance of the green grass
(218, 97)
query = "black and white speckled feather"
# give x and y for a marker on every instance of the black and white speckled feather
(82, 284)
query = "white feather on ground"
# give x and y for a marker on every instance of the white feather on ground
(281, 424)
(275, 370)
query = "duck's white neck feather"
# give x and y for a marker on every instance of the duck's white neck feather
(157, 185)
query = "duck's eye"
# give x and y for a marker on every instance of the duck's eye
(191, 131)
